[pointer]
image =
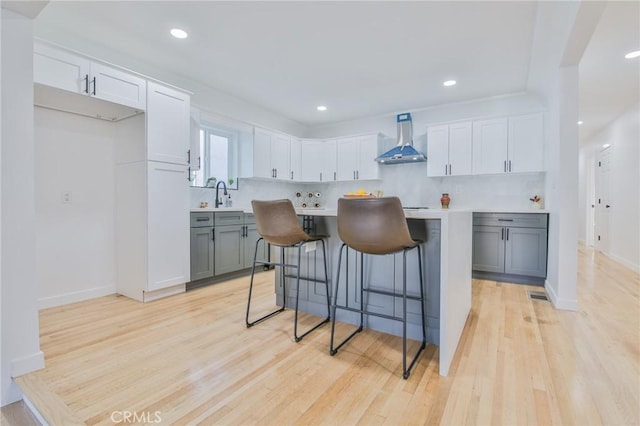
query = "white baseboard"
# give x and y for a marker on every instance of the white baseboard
(34, 411)
(150, 296)
(624, 262)
(559, 303)
(27, 364)
(76, 296)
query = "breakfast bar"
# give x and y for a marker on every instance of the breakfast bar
(447, 259)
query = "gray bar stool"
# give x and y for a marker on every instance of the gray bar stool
(377, 226)
(278, 225)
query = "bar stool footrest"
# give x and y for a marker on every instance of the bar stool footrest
(299, 338)
(264, 317)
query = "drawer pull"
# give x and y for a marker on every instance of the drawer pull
(202, 219)
(505, 220)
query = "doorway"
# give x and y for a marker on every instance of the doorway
(602, 199)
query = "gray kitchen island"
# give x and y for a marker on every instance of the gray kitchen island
(447, 252)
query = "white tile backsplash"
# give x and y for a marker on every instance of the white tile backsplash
(407, 181)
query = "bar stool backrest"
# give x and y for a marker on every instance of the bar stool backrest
(277, 222)
(373, 225)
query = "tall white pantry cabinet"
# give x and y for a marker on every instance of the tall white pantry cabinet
(151, 162)
(152, 198)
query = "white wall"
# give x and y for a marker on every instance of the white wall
(75, 241)
(20, 332)
(623, 134)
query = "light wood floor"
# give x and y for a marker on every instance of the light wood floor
(189, 359)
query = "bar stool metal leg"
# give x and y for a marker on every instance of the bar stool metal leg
(407, 371)
(332, 348)
(253, 271)
(326, 281)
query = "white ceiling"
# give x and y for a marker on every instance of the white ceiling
(609, 83)
(357, 58)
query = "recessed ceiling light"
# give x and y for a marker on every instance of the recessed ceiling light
(580, 122)
(631, 55)
(449, 83)
(606, 145)
(178, 33)
(321, 108)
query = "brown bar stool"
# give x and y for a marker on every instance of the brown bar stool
(377, 226)
(278, 225)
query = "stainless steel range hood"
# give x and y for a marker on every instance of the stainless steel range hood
(403, 152)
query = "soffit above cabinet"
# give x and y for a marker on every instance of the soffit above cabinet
(62, 100)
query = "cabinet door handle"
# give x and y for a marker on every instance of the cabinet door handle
(199, 164)
(354, 175)
(445, 169)
(213, 234)
(94, 86)
(189, 174)
(291, 175)
(502, 233)
(334, 176)
(357, 175)
(505, 166)
(86, 84)
(449, 169)
(189, 156)
(509, 165)
(320, 176)
(507, 234)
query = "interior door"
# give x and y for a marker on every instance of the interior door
(603, 199)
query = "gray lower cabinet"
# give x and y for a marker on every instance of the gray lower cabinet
(236, 235)
(202, 246)
(249, 242)
(223, 243)
(229, 250)
(509, 246)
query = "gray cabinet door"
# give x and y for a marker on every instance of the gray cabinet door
(526, 252)
(201, 253)
(488, 248)
(228, 251)
(249, 242)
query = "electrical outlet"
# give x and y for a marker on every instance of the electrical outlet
(66, 197)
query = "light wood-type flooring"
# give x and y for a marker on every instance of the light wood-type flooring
(189, 359)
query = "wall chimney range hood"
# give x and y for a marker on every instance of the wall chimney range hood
(403, 152)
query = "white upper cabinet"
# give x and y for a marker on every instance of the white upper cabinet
(271, 154)
(119, 87)
(355, 158)
(195, 161)
(318, 159)
(74, 73)
(347, 158)
(280, 152)
(296, 159)
(438, 151)
(168, 124)
(57, 68)
(526, 142)
(509, 145)
(490, 146)
(449, 150)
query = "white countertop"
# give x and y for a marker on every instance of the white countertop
(409, 213)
